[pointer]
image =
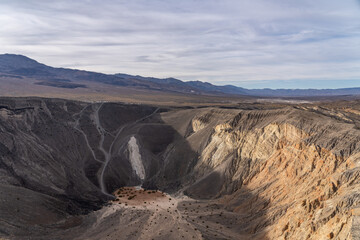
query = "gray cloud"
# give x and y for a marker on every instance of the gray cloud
(240, 42)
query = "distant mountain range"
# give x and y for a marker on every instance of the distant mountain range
(18, 66)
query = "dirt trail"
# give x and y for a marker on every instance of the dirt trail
(77, 127)
(108, 154)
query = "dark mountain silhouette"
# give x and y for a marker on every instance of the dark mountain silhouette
(18, 66)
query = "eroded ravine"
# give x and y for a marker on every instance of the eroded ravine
(107, 154)
(77, 127)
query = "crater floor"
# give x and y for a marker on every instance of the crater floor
(137, 213)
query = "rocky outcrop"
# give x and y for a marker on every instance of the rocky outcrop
(301, 176)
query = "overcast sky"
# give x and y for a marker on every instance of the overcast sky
(248, 43)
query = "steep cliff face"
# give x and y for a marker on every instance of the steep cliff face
(290, 172)
(302, 174)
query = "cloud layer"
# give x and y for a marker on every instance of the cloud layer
(262, 43)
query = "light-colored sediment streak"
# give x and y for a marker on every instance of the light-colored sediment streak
(108, 154)
(135, 158)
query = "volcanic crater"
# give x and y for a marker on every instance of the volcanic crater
(106, 170)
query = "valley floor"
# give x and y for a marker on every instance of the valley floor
(146, 214)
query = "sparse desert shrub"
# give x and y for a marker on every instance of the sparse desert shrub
(131, 197)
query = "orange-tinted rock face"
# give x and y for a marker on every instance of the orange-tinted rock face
(296, 178)
(299, 189)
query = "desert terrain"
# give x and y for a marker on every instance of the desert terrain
(179, 120)
(108, 170)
